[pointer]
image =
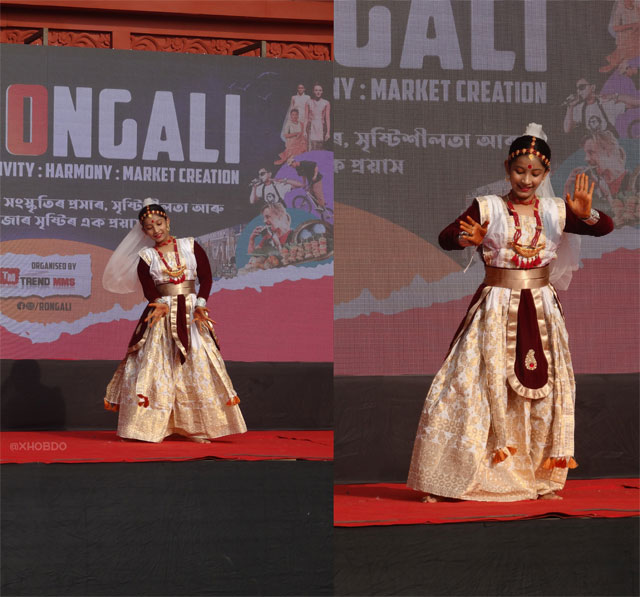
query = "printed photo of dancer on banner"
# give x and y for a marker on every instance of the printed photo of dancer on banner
(237, 152)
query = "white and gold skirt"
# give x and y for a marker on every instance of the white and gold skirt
(472, 412)
(157, 395)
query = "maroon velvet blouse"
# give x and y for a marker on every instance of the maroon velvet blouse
(448, 238)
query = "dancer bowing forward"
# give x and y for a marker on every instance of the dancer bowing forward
(498, 420)
(173, 379)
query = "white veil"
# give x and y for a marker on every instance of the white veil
(568, 252)
(121, 273)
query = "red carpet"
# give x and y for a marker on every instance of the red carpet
(394, 504)
(105, 446)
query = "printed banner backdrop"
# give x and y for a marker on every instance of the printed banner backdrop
(428, 96)
(88, 134)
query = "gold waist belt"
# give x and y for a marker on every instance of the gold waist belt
(516, 279)
(188, 287)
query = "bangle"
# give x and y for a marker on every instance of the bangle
(463, 239)
(592, 218)
(201, 302)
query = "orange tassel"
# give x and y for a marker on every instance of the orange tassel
(557, 462)
(233, 401)
(501, 454)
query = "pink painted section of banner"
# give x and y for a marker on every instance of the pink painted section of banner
(247, 331)
(415, 341)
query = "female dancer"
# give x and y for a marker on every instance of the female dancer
(294, 137)
(173, 379)
(299, 102)
(498, 420)
(294, 127)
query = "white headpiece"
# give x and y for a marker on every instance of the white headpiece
(535, 130)
(568, 253)
(121, 273)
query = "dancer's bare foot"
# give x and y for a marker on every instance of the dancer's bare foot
(550, 496)
(200, 440)
(429, 498)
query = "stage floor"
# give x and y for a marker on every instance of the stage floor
(387, 504)
(105, 446)
(199, 527)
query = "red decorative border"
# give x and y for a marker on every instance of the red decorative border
(58, 37)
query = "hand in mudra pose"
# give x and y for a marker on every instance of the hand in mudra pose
(159, 311)
(580, 204)
(202, 319)
(474, 233)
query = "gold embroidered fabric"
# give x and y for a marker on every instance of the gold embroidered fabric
(530, 360)
(452, 455)
(516, 279)
(186, 288)
(189, 399)
(471, 410)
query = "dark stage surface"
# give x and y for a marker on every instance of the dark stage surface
(530, 557)
(376, 421)
(50, 394)
(195, 527)
(377, 418)
(186, 528)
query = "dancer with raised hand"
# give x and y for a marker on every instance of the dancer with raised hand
(498, 420)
